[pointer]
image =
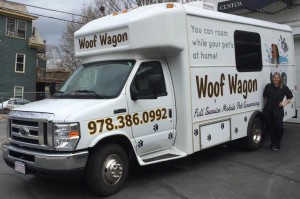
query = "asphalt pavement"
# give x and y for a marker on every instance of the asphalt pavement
(216, 173)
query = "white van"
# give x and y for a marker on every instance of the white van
(157, 83)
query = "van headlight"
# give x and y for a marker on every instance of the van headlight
(66, 136)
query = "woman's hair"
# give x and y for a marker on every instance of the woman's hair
(280, 80)
(275, 54)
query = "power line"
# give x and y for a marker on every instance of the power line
(18, 11)
(56, 18)
(52, 10)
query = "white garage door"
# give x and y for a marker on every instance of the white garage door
(297, 53)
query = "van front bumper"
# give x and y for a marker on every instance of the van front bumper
(44, 162)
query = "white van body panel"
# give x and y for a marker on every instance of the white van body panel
(203, 49)
(209, 101)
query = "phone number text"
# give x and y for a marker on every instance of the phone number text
(107, 124)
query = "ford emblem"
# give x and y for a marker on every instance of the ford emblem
(24, 131)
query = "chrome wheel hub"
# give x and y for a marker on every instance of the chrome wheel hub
(256, 134)
(112, 169)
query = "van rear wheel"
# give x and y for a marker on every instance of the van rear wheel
(255, 135)
(107, 169)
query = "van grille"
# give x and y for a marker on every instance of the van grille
(30, 132)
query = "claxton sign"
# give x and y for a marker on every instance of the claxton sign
(230, 6)
(233, 5)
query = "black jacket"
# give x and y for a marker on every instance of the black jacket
(275, 95)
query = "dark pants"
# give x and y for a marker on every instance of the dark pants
(274, 124)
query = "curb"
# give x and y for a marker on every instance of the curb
(293, 121)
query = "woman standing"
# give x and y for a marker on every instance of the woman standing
(274, 94)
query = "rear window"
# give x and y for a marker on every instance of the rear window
(247, 51)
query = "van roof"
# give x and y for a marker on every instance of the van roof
(153, 29)
(190, 9)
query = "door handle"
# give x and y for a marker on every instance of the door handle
(122, 110)
(170, 113)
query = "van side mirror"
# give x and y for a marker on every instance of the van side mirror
(133, 92)
(155, 84)
(154, 88)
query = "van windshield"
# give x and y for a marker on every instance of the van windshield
(98, 80)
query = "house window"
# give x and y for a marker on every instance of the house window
(247, 51)
(21, 29)
(15, 28)
(18, 91)
(10, 27)
(20, 63)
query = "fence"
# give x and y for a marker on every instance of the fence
(10, 100)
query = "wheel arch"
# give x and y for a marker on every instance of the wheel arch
(119, 139)
(256, 114)
(248, 142)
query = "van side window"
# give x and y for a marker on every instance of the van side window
(247, 51)
(141, 78)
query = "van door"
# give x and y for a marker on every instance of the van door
(152, 112)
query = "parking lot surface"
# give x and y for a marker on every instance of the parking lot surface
(216, 173)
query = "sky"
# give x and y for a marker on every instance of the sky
(51, 29)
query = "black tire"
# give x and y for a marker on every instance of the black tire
(255, 134)
(99, 177)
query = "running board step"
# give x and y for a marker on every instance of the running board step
(161, 156)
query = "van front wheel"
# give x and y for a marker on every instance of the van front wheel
(107, 169)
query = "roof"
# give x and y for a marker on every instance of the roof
(253, 5)
(13, 9)
(36, 40)
(192, 10)
(134, 30)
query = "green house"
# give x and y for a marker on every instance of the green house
(21, 53)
